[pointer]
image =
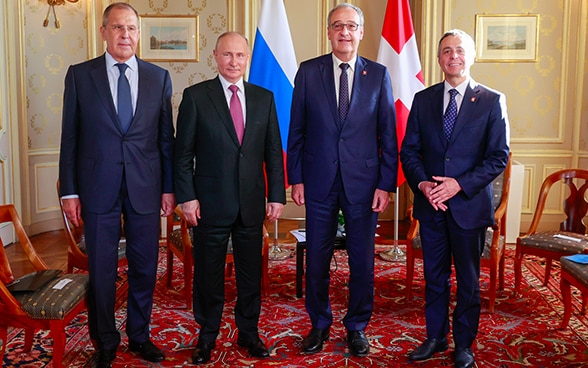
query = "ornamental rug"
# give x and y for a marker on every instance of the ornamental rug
(522, 332)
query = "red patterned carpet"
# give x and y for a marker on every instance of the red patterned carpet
(523, 332)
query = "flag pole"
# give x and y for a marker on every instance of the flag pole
(276, 253)
(395, 254)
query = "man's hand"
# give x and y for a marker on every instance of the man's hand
(298, 194)
(274, 211)
(168, 204)
(381, 200)
(191, 211)
(426, 187)
(73, 210)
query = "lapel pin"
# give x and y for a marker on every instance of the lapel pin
(473, 99)
(364, 72)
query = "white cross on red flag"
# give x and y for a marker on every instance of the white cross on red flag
(398, 52)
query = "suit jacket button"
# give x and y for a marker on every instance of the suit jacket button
(336, 162)
(241, 155)
(447, 158)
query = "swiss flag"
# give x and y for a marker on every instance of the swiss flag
(398, 51)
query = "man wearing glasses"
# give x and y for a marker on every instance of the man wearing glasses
(342, 155)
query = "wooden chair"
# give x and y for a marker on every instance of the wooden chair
(76, 249)
(45, 308)
(575, 274)
(552, 245)
(179, 243)
(493, 254)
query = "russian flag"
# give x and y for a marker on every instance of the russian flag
(398, 51)
(273, 62)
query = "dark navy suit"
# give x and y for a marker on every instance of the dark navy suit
(476, 153)
(118, 173)
(341, 165)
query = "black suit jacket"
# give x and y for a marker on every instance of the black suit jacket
(211, 166)
(96, 153)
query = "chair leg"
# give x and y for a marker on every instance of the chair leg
(492, 288)
(29, 334)
(517, 269)
(58, 333)
(170, 266)
(548, 263)
(566, 293)
(501, 273)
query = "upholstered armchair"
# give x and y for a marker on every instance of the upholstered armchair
(570, 237)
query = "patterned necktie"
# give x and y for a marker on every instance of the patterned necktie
(124, 103)
(237, 113)
(450, 114)
(343, 93)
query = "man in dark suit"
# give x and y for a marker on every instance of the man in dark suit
(341, 156)
(456, 143)
(228, 139)
(116, 159)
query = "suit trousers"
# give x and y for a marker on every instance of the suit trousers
(102, 232)
(321, 229)
(442, 239)
(210, 251)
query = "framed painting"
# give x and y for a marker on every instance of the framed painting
(168, 38)
(507, 37)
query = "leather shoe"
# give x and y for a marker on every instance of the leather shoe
(464, 358)
(255, 347)
(313, 342)
(148, 351)
(201, 354)
(358, 343)
(104, 358)
(428, 348)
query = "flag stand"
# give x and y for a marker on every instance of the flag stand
(395, 254)
(276, 253)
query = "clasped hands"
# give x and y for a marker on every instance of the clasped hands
(440, 191)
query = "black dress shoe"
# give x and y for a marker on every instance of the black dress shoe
(464, 358)
(147, 350)
(358, 343)
(313, 343)
(255, 347)
(201, 354)
(105, 358)
(428, 348)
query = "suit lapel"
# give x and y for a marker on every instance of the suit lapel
(468, 105)
(219, 101)
(100, 79)
(358, 84)
(328, 82)
(437, 111)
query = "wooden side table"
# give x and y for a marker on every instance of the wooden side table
(300, 247)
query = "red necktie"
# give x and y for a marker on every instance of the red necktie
(237, 113)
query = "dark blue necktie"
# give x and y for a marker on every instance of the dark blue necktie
(450, 114)
(124, 104)
(343, 93)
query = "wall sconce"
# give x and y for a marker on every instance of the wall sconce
(52, 4)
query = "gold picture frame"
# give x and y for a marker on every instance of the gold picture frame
(169, 38)
(507, 37)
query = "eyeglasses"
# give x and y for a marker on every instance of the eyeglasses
(118, 28)
(351, 27)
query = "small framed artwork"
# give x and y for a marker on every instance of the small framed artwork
(169, 38)
(507, 37)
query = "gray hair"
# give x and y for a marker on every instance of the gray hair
(469, 44)
(346, 5)
(116, 6)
